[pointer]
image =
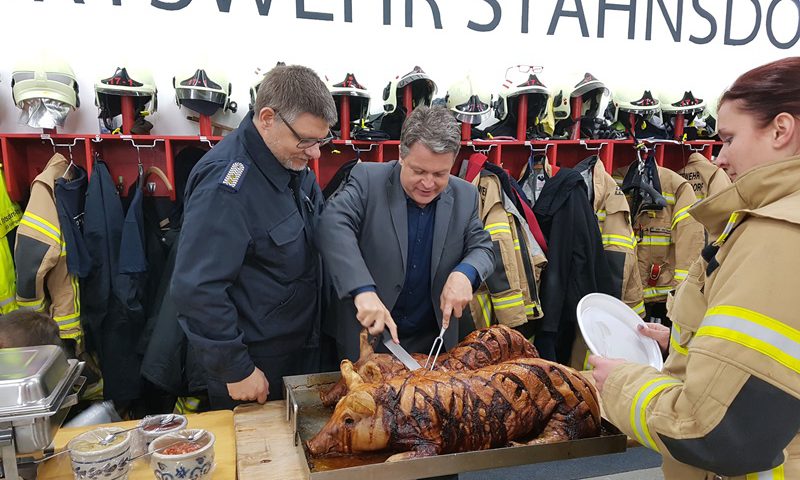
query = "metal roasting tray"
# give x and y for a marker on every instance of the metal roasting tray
(307, 416)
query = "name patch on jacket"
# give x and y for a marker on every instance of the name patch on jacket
(234, 176)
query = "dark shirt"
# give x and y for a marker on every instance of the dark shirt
(413, 310)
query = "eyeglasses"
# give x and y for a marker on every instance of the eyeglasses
(305, 143)
(533, 69)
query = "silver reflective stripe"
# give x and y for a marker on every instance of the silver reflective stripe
(755, 331)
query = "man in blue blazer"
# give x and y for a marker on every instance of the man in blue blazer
(403, 243)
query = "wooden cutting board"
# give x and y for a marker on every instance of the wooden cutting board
(220, 423)
(264, 443)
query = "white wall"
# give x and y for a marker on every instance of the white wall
(97, 36)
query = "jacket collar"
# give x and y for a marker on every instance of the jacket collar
(54, 169)
(262, 157)
(757, 192)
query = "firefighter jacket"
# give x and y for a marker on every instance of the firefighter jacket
(619, 243)
(705, 178)
(10, 215)
(509, 296)
(668, 239)
(43, 282)
(576, 263)
(727, 399)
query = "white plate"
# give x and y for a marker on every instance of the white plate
(609, 329)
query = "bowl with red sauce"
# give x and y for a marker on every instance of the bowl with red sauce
(154, 426)
(183, 454)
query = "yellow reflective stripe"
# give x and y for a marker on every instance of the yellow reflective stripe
(728, 229)
(656, 240)
(531, 308)
(7, 301)
(39, 220)
(502, 303)
(639, 308)
(675, 340)
(680, 275)
(30, 304)
(755, 331)
(487, 316)
(670, 198)
(619, 240)
(653, 292)
(70, 334)
(501, 227)
(639, 408)
(500, 224)
(680, 215)
(601, 215)
(586, 365)
(60, 319)
(516, 244)
(619, 180)
(76, 297)
(41, 229)
(776, 473)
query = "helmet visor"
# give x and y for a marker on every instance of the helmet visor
(43, 113)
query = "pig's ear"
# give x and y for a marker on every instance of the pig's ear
(351, 377)
(366, 347)
(361, 403)
(370, 372)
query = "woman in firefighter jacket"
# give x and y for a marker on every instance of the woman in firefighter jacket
(725, 404)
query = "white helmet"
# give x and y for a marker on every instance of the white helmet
(358, 95)
(204, 92)
(522, 80)
(646, 110)
(467, 101)
(422, 90)
(50, 79)
(687, 103)
(682, 102)
(596, 98)
(126, 82)
(594, 115)
(706, 122)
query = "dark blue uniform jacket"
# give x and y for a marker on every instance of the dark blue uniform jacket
(247, 276)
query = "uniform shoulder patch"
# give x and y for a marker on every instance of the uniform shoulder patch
(234, 175)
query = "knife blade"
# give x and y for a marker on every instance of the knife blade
(400, 352)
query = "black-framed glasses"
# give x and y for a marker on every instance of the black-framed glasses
(305, 143)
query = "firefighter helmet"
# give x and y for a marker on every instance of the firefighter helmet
(350, 89)
(522, 80)
(422, 90)
(51, 79)
(204, 91)
(468, 101)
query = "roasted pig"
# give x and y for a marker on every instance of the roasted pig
(425, 413)
(480, 348)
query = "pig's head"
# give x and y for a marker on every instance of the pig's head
(357, 422)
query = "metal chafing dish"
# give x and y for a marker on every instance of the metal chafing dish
(38, 385)
(307, 415)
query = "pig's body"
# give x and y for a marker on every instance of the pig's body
(427, 413)
(481, 348)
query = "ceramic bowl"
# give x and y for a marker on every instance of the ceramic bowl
(195, 465)
(93, 461)
(150, 430)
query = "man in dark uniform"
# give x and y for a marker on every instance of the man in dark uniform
(247, 275)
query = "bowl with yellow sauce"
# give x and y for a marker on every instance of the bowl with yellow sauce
(92, 460)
